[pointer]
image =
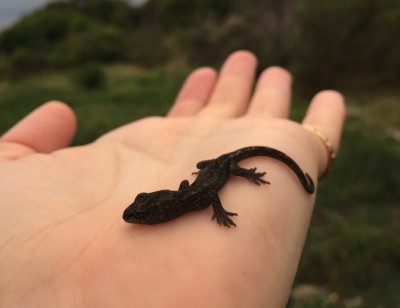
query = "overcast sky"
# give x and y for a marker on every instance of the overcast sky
(11, 10)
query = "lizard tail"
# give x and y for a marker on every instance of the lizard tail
(304, 178)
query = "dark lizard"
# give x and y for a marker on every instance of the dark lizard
(164, 205)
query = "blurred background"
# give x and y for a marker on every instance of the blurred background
(115, 61)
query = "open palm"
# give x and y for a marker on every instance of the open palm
(63, 241)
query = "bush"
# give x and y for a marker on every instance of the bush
(38, 30)
(97, 44)
(342, 42)
(90, 76)
(4, 67)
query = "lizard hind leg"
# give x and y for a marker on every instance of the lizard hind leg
(220, 214)
(249, 174)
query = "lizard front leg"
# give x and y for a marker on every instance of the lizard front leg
(249, 174)
(220, 214)
(202, 164)
(184, 185)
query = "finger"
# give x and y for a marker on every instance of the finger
(326, 113)
(272, 94)
(50, 127)
(232, 91)
(194, 93)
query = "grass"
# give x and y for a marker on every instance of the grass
(353, 249)
(129, 94)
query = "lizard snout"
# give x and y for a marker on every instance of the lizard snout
(132, 215)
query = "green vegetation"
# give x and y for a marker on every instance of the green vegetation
(90, 76)
(63, 34)
(354, 244)
(130, 94)
(352, 252)
(325, 43)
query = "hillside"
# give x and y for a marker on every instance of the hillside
(325, 44)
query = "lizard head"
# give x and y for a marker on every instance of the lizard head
(150, 208)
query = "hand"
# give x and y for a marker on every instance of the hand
(62, 238)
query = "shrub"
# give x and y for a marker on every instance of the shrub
(89, 76)
(101, 44)
(344, 41)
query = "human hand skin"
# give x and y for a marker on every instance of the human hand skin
(63, 242)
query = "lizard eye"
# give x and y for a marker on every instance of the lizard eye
(138, 214)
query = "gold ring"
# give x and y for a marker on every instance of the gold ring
(327, 144)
